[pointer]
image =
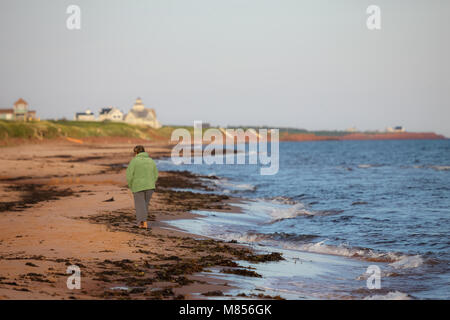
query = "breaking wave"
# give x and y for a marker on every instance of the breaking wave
(408, 262)
(277, 236)
(302, 242)
(296, 210)
(282, 200)
(226, 184)
(395, 259)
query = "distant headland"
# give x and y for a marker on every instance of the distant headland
(344, 135)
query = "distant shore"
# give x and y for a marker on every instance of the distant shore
(16, 132)
(362, 136)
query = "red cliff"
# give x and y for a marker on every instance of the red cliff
(362, 136)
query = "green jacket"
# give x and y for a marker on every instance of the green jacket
(142, 173)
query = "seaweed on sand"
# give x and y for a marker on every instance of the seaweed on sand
(32, 194)
(216, 293)
(182, 180)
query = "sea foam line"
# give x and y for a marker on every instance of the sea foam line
(294, 242)
(393, 295)
(225, 183)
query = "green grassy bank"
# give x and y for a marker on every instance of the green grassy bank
(74, 129)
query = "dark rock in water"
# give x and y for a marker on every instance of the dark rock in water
(274, 256)
(109, 200)
(242, 272)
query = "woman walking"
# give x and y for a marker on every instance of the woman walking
(141, 177)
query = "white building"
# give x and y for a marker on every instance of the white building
(139, 114)
(395, 129)
(19, 112)
(110, 114)
(88, 115)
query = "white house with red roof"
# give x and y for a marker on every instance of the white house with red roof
(19, 112)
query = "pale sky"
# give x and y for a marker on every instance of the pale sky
(307, 64)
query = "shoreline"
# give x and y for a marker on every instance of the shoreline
(79, 211)
(163, 138)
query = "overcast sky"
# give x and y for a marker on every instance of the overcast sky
(308, 64)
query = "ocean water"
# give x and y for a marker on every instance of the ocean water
(337, 207)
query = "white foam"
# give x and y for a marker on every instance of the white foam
(396, 260)
(244, 237)
(282, 200)
(272, 239)
(224, 183)
(407, 262)
(298, 209)
(120, 288)
(340, 250)
(393, 295)
(289, 212)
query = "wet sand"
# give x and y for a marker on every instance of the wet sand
(64, 203)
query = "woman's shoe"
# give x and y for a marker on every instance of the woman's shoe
(143, 225)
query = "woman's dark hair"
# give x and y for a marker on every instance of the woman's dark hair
(139, 149)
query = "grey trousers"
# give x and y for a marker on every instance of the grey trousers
(141, 201)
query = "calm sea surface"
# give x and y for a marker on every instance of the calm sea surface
(334, 208)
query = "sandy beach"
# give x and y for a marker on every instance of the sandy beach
(67, 203)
